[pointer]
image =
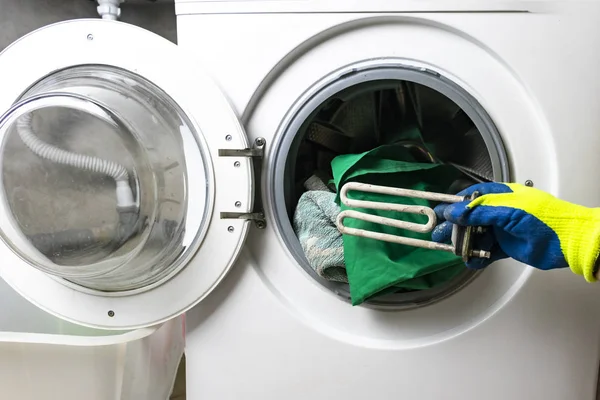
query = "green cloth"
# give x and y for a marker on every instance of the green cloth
(375, 267)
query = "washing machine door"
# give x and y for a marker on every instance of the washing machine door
(126, 176)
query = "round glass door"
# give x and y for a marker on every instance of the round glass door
(96, 165)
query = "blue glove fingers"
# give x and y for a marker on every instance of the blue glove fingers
(482, 188)
(439, 210)
(442, 233)
(457, 213)
(460, 214)
(486, 188)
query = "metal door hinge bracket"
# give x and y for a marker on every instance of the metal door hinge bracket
(257, 217)
(257, 150)
(256, 153)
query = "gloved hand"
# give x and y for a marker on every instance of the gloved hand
(528, 225)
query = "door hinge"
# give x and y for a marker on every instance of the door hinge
(256, 153)
(257, 150)
(257, 217)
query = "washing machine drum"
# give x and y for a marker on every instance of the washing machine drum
(108, 165)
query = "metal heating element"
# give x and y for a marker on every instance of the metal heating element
(462, 243)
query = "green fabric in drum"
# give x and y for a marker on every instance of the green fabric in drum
(375, 267)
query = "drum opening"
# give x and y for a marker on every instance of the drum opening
(362, 110)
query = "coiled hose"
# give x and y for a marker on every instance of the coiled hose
(90, 163)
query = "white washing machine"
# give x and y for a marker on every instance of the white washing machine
(524, 72)
(133, 170)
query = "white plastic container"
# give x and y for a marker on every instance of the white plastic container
(43, 357)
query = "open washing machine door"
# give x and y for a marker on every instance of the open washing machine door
(111, 147)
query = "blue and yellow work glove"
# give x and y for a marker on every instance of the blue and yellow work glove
(526, 224)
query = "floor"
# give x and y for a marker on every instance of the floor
(19, 17)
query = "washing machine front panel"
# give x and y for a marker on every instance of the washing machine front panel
(123, 184)
(377, 48)
(533, 328)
